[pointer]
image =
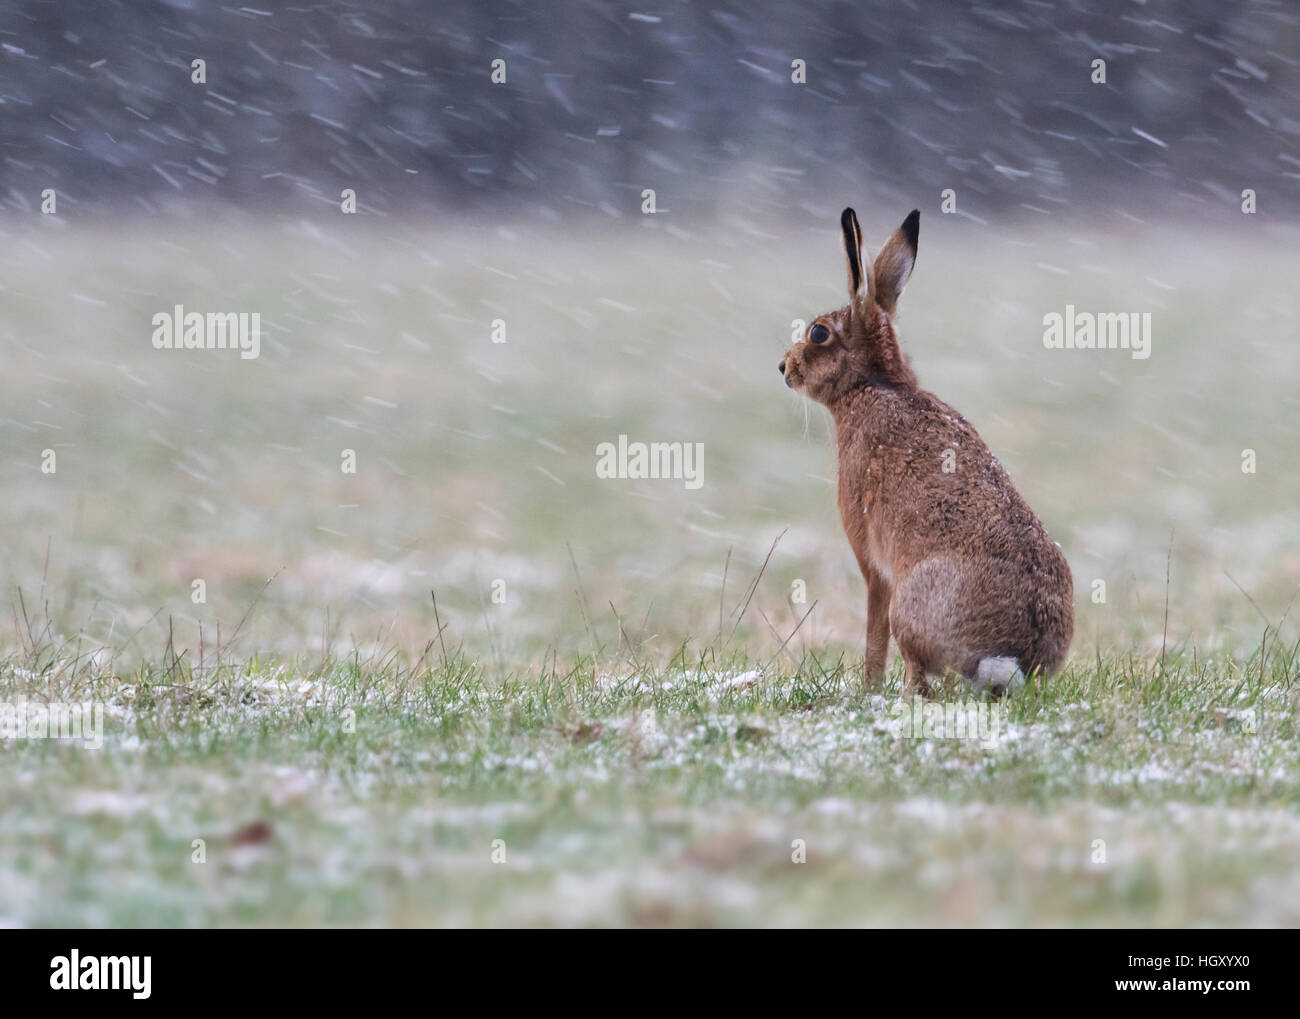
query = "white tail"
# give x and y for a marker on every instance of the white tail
(998, 676)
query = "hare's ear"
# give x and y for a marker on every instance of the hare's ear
(894, 263)
(859, 268)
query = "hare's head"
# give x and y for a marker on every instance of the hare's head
(856, 346)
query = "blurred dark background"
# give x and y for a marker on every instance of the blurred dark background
(695, 101)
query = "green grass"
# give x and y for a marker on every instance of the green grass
(588, 720)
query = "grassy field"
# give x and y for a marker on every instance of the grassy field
(615, 694)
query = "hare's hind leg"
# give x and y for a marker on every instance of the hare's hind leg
(965, 618)
(923, 617)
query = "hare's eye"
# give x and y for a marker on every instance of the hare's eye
(819, 333)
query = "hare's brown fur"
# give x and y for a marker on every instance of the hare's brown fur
(958, 568)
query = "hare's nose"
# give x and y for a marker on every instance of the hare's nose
(782, 367)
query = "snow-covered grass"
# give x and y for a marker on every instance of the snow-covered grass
(333, 792)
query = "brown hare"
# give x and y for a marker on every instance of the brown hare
(957, 566)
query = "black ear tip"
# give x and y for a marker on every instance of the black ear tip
(847, 218)
(912, 226)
